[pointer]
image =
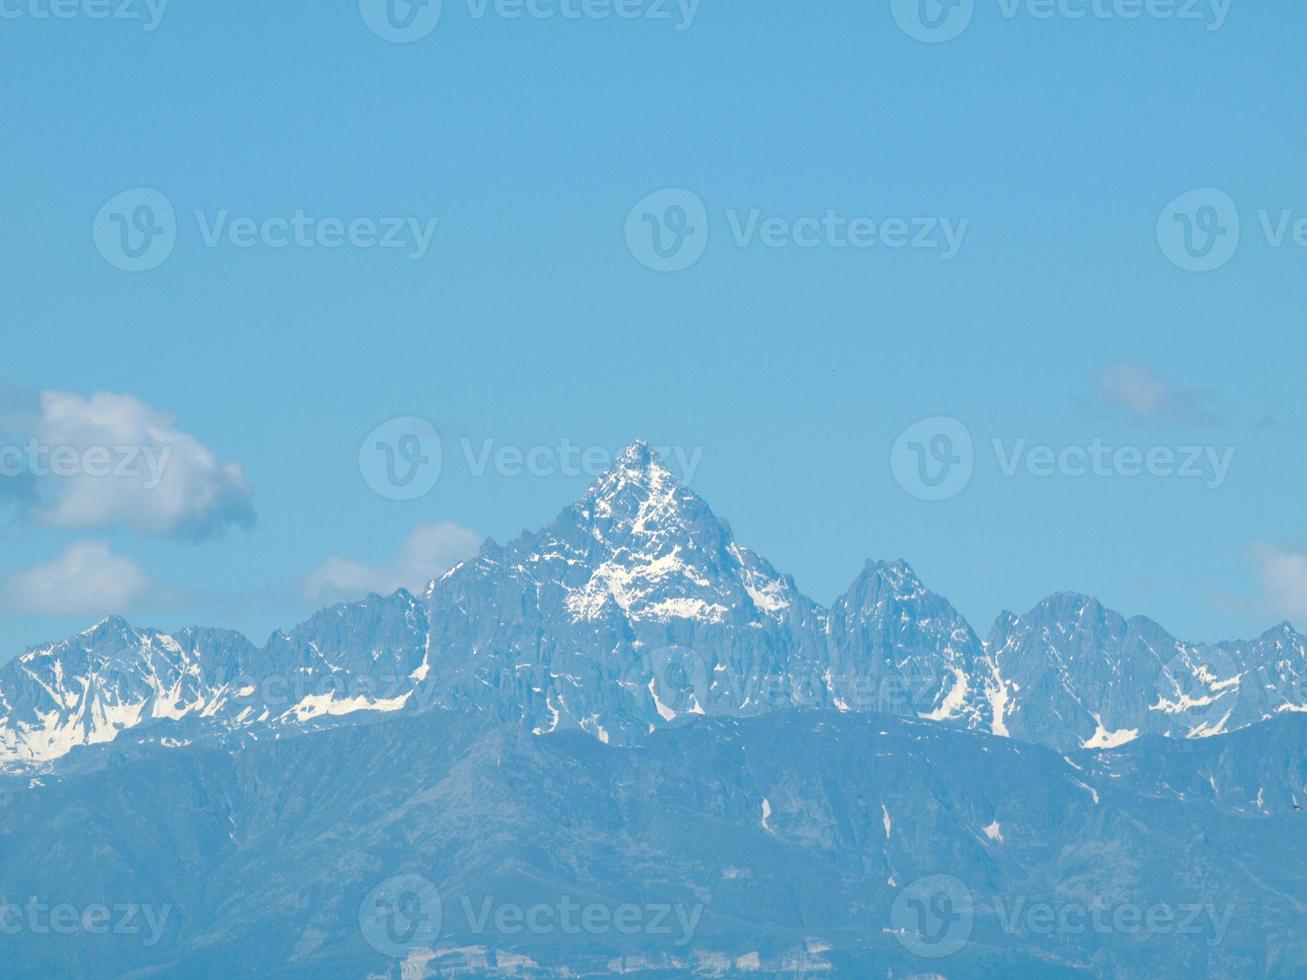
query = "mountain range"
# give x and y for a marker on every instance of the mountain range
(628, 707)
(633, 610)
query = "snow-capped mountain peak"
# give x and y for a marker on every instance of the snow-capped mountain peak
(640, 498)
(900, 579)
(636, 608)
(642, 546)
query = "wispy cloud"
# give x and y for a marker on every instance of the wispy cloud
(429, 551)
(85, 579)
(1146, 398)
(1283, 579)
(110, 460)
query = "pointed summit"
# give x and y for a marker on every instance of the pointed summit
(640, 546)
(1072, 609)
(110, 627)
(110, 623)
(879, 580)
(638, 455)
(635, 466)
(910, 645)
(900, 578)
(639, 498)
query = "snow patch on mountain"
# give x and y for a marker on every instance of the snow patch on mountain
(1104, 739)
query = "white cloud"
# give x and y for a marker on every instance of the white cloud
(1283, 578)
(110, 460)
(1135, 390)
(85, 579)
(429, 551)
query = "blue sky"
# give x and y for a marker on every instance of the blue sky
(531, 317)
